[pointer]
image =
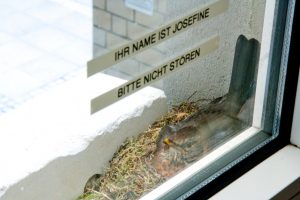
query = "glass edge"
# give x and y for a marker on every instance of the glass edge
(283, 66)
(280, 46)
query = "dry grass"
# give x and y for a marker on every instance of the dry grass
(129, 175)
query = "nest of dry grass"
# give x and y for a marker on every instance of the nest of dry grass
(129, 175)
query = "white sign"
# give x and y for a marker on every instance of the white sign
(104, 61)
(154, 75)
(144, 6)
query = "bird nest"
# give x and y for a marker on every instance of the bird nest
(130, 174)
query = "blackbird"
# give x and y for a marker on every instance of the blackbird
(181, 144)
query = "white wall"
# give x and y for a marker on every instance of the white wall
(211, 76)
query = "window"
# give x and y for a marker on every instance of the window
(186, 95)
(229, 59)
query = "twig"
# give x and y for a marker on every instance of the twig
(188, 99)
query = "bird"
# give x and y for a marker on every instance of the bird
(182, 144)
(179, 145)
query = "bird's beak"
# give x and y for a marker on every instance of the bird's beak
(167, 141)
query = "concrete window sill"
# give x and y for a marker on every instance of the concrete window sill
(50, 146)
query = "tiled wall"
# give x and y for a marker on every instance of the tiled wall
(115, 24)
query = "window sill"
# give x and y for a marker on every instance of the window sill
(51, 145)
(267, 179)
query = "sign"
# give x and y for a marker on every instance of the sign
(144, 6)
(154, 75)
(102, 62)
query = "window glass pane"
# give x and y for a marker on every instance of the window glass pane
(211, 59)
(217, 65)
